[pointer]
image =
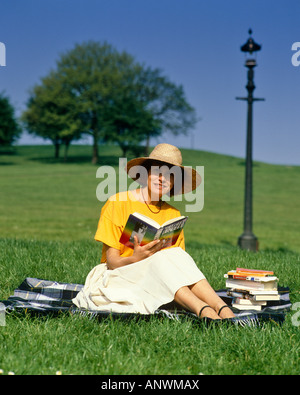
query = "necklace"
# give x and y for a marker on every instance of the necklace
(154, 212)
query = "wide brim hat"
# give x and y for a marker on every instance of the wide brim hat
(170, 155)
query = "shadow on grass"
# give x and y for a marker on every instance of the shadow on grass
(10, 152)
(6, 163)
(79, 159)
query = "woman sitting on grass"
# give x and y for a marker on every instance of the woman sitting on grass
(142, 279)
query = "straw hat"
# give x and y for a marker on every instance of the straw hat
(167, 154)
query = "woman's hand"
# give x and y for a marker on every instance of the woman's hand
(143, 252)
(114, 260)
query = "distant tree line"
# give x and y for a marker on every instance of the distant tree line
(97, 91)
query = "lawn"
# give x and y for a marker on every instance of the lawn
(48, 217)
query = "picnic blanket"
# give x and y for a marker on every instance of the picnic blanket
(51, 297)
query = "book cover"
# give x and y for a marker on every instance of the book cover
(254, 295)
(256, 271)
(249, 302)
(245, 307)
(266, 297)
(250, 274)
(251, 285)
(148, 230)
(266, 279)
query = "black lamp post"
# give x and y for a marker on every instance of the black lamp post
(248, 240)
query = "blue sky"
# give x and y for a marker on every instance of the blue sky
(195, 42)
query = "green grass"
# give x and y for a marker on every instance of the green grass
(48, 217)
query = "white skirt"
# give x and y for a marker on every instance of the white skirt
(140, 287)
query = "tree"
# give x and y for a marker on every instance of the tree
(148, 104)
(99, 91)
(166, 103)
(50, 113)
(128, 122)
(97, 75)
(10, 130)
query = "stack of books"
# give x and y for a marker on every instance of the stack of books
(251, 289)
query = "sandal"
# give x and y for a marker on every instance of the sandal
(223, 307)
(204, 307)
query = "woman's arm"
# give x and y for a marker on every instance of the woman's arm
(114, 260)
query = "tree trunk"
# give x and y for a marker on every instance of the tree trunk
(124, 152)
(67, 145)
(124, 149)
(147, 145)
(95, 157)
(57, 147)
(94, 127)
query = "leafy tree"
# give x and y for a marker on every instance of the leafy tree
(97, 75)
(166, 103)
(128, 122)
(99, 91)
(146, 105)
(10, 130)
(50, 113)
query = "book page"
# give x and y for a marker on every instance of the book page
(170, 221)
(144, 218)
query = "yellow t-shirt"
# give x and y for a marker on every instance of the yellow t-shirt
(115, 213)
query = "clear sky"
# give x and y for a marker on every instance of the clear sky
(195, 42)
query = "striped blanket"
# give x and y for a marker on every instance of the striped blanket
(46, 297)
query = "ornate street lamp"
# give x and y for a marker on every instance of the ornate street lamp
(248, 240)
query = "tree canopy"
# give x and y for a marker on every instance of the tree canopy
(98, 91)
(50, 113)
(9, 127)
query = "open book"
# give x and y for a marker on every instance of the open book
(146, 230)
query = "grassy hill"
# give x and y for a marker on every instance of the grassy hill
(48, 217)
(45, 199)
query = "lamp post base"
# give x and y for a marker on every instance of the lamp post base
(248, 241)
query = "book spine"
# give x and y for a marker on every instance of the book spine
(158, 234)
(239, 269)
(248, 285)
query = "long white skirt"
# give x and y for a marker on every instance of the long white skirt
(140, 287)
